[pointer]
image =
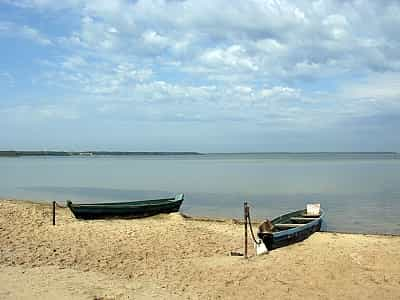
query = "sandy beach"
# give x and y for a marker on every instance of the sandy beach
(174, 257)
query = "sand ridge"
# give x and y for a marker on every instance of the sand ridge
(173, 257)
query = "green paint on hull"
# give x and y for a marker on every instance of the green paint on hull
(132, 209)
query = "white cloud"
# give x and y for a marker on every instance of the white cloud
(257, 59)
(112, 30)
(45, 4)
(154, 39)
(279, 91)
(78, 74)
(270, 37)
(167, 92)
(243, 89)
(381, 88)
(306, 68)
(34, 35)
(11, 29)
(234, 56)
(271, 46)
(74, 62)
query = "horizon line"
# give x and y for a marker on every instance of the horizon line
(105, 152)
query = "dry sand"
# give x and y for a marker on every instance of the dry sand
(172, 257)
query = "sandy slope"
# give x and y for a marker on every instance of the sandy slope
(171, 257)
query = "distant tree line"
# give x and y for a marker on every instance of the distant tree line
(87, 153)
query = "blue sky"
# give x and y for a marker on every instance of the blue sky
(209, 76)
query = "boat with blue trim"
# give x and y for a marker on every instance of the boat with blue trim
(291, 228)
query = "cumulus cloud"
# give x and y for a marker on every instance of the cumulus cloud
(234, 56)
(274, 38)
(154, 39)
(280, 62)
(107, 77)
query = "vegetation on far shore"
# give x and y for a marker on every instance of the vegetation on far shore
(87, 153)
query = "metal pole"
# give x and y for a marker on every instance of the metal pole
(54, 212)
(246, 209)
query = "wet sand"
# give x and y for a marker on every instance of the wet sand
(173, 257)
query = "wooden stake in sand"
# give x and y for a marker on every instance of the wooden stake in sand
(246, 213)
(54, 213)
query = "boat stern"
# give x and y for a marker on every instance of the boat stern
(179, 197)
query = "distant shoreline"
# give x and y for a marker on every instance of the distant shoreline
(13, 153)
(87, 153)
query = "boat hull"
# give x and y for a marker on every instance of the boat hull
(274, 240)
(135, 209)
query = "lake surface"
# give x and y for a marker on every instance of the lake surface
(359, 192)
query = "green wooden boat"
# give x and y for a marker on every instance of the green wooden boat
(132, 209)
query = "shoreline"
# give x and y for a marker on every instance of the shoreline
(174, 257)
(13, 153)
(200, 218)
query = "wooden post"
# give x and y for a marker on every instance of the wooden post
(54, 213)
(246, 211)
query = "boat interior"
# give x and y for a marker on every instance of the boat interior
(292, 220)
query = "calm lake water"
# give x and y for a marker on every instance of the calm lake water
(359, 192)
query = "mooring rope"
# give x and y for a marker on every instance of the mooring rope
(60, 206)
(251, 230)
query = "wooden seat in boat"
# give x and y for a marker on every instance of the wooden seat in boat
(285, 226)
(301, 219)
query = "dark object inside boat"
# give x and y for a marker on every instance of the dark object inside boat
(289, 228)
(132, 209)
